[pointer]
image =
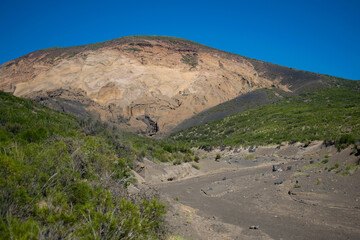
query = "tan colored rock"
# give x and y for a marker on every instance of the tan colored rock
(149, 77)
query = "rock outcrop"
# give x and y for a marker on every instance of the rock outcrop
(146, 84)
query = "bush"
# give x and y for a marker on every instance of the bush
(80, 193)
(345, 141)
(190, 59)
(206, 147)
(250, 156)
(218, 156)
(57, 182)
(336, 165)
(350, 169)
(178, 161)
(318, 181)
(195, 166)
(188, 157)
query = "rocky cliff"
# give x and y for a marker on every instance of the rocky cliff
(146, 84)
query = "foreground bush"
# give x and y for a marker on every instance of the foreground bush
(59, 182)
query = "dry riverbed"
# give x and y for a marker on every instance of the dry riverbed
(279, 192)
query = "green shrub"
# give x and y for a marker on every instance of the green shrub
(80, 192)
(250, 156)
(57, 182)
(177, 161)
(207, 147)
(229, 131)
(325, 160)
(318, 181)
(336, 165)
(195, 166)
(34, 135)
(350, 169)
(13, 228)
(190, 59)
(188, 157)
(345, 141)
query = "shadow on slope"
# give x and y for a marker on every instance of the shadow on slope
(241, 103)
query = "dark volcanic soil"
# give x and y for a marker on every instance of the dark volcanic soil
(304, 200)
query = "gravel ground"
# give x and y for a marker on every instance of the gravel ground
(242, 197)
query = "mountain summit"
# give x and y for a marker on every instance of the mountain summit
(146, 84)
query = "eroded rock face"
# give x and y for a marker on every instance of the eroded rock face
(152, 84)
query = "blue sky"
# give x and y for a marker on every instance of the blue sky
(318, 36)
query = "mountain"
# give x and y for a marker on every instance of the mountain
(146, 84)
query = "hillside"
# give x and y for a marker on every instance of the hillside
(239, 104)
(321, 115)
(146, 84)
(64, 178)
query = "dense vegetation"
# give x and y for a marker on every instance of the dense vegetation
(328, 114)
(63, 178)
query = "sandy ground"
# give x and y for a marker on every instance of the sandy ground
(301, 200)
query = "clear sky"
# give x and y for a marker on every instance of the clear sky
(319, 36)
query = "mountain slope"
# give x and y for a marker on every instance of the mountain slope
(146, 84)
(239, 104)
(321, 115)
(61, 178)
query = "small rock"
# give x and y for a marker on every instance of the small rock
(252, 149)
(288, 168)
(277, 168)
(224, 178)
(312, 161)
(278, 182)
(254, 227)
